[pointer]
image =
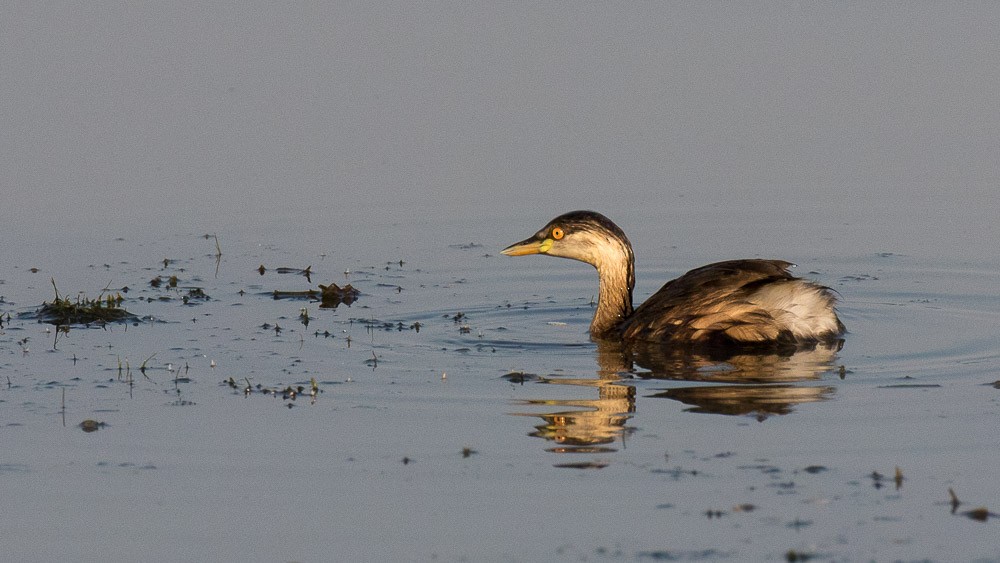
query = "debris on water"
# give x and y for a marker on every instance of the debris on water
(142, 368)
(195, 293)
(307, 271)
(289, 393)
(663, 555)
(333, 295)
(954, 500)
(91, 425)
(64, 311)
(793, 556)
(876, 479)
(980, 514)
(858, 278)
(329, 296)
(799, 523)
(519, 377)
(582, 465)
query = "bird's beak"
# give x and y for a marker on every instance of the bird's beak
(528, 246)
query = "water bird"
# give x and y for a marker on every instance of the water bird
(736, 303)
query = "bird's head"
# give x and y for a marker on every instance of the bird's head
(586, 236)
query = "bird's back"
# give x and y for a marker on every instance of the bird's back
(738, 302)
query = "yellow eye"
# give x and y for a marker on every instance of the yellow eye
(557, 233)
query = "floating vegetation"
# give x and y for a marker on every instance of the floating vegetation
(334, 295)
(195, 294)
(329, 296)
(307, 271)
(466, 246)
(582, 465)
(981, 514)
(288, 393)
(65, 311)
(897, 479)
(662, 555)
(793, 556)
(520, 377)
(90, 425)
(371, 325)
(172, 282)
(142, 368)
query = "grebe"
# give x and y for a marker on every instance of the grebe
(737, 303)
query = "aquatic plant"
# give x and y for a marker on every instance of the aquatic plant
(65, 311)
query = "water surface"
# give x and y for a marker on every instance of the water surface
(462, 412)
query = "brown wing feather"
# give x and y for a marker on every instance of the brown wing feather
(709, 304)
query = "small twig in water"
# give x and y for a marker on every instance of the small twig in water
(142, 368)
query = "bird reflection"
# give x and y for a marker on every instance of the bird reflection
(788, 366)
(758, 385)
(585, 425)
(759, 401)
(735, 384)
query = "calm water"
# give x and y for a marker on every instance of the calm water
(462, 412)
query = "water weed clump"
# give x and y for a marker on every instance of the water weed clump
(106, 308)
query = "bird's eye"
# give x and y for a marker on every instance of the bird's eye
(557, 233)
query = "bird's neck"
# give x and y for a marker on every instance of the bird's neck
(614, 303)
